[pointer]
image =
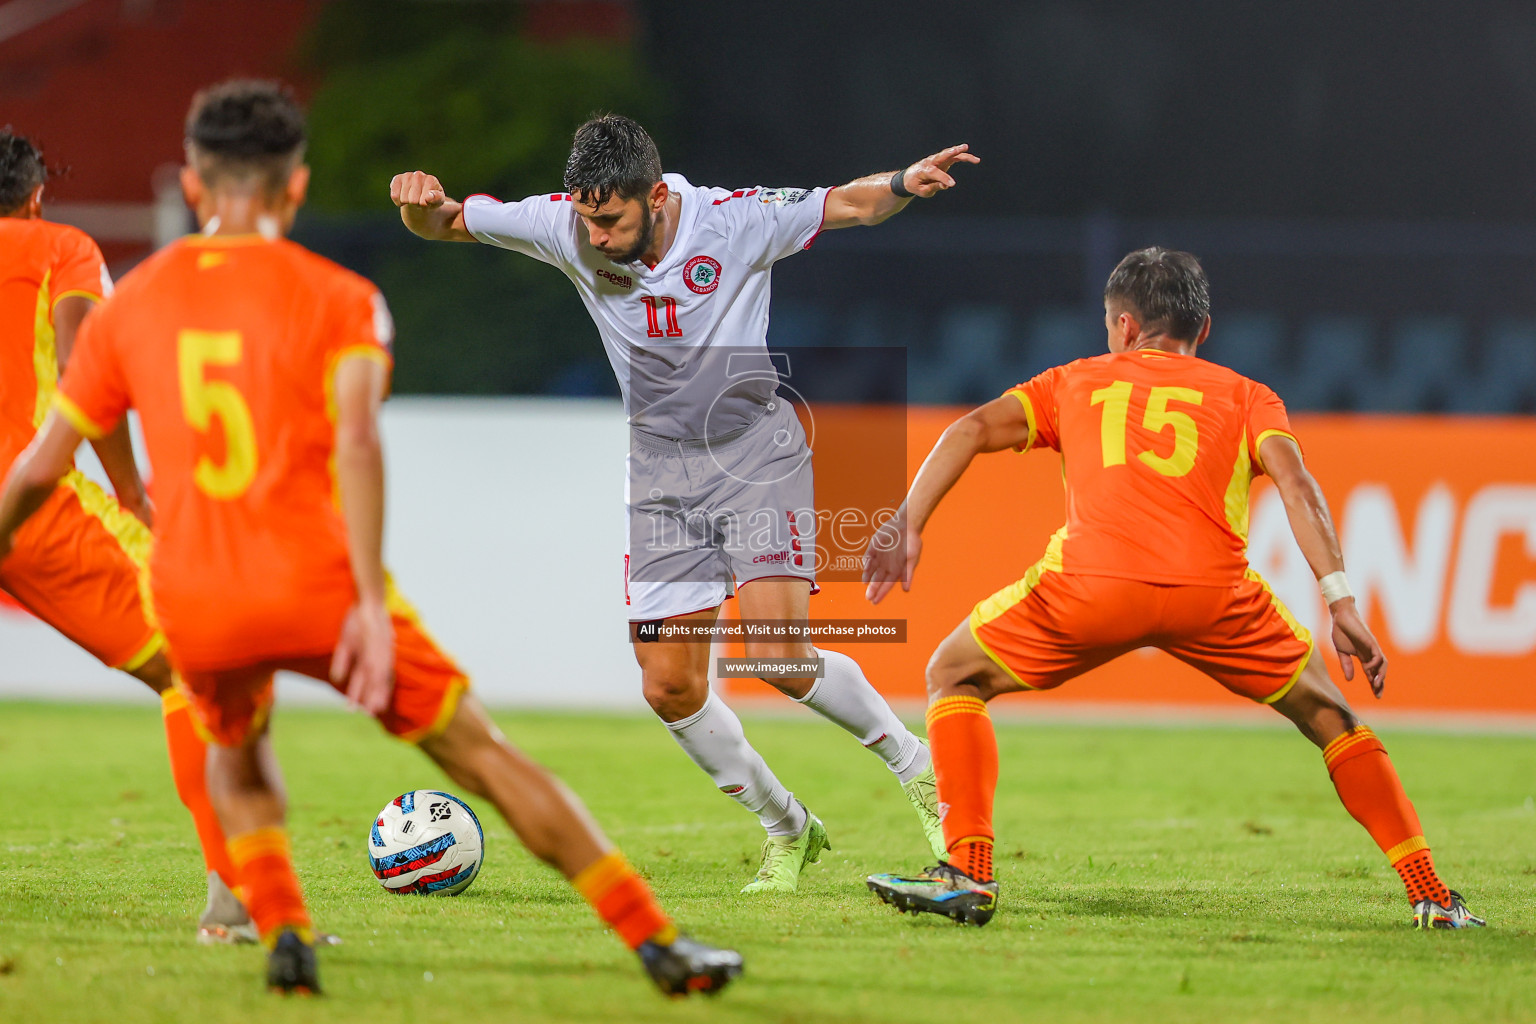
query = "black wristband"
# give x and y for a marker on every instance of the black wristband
(899, 184)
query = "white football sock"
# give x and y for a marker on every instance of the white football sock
(844, 696)
(713, 737)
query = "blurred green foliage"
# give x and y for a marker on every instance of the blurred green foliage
(457, 90)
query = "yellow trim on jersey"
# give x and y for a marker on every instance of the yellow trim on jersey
(1029, 415)
(1300, 667)
(45, 359)
(132, 536)
(370, 352)
(1299, 631)
(373, 352)
(141, 658)
(75, 417)
(456, 691)
(994, 606)
(1268, 434)
(198, 725)
(396, 604)
(76, 293)
(989, 652)
(1237, 490)
(250, 238)
(1051, 561)
(263, 712)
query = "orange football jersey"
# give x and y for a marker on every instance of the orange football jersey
(40, 263)
(1158, 453)
(227, 346)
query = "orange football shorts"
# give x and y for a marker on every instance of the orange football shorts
(79, 566)
(1051, 626)
(232, 704)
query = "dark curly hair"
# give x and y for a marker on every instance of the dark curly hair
(1165, 288)
(21, 169)
(245, 131)
(611, 155)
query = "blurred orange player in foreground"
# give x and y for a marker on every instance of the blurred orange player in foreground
(78, 565)
(1159, 449)
(258, 369)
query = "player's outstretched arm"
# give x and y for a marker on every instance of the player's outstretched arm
(426, 209)
(365, 655)
(1312, 524)
(35, 474)
(873, 199)
(116, 449)
(894, 550)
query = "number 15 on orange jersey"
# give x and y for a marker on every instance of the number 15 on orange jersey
(1116, 400)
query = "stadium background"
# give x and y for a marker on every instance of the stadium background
(1358, 188)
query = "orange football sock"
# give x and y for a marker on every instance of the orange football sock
(964, 750)
(624, 901)
(1370, 790)
(189, 758)
(272, 893)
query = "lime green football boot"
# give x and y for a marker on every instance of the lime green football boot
(923, 792)
(784, 857)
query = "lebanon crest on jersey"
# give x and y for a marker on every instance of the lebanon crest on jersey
(702, 274)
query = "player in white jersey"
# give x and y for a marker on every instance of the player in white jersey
(676, 277)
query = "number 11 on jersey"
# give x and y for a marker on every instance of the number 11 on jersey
(653, 321)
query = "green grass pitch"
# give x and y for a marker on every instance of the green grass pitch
(1200, 874)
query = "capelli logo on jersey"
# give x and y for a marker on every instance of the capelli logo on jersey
(702, 274)
(622, 280)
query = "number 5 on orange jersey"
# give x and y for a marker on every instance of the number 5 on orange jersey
(204, 400)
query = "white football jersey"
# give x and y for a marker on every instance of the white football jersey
(687, 338)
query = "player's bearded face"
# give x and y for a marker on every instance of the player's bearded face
(620, 229)
(642, 236)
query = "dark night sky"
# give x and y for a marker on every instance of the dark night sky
(1183, 108)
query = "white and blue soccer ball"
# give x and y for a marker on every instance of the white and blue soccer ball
(426, 842)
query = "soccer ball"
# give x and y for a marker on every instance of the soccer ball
(426, 842)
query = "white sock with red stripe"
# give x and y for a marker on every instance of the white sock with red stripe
(714, 739)
(845, 697)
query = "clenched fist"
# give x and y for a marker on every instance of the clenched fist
(416, 188)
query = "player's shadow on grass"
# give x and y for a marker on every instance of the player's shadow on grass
(1121, 903)
(546, 968)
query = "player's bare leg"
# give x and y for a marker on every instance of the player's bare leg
(961, 679)
(247, 790)
(675, 676)
(1370, 790)
(675, 679)
(555, 827)
(549, 820)
(224, 918)
(843, 696)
